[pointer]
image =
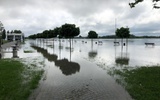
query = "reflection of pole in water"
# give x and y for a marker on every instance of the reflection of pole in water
(40, 42)
(80, 47)
(72, 42)
(46, 41)
(37, 41)
(121, 47)
(59, 48)
(115, 51)
(126, 46)
(59, 53)
(43, 42)
(59, 43)
(92, 44)
(53, 45)
(115, 30)
(70, 49)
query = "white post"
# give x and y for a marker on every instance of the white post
(6, 37)
(21, 37)
(14, 37)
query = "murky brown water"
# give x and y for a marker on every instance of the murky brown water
(80, 72)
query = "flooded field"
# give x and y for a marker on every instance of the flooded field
(79, 70)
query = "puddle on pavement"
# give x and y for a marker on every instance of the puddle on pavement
(80, 72)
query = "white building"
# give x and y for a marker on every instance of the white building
(14, 36)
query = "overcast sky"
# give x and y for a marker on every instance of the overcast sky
(34, 16)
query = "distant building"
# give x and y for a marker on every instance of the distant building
(14, 36)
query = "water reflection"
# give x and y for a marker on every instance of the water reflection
(67, 67)
(122, 61)
(70, 46)
(93, 53)
(123, 58)
(44, 52)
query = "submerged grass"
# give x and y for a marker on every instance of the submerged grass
(142, 83)
(16, 80)
(28, 51)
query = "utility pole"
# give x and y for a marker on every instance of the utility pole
(115, 29)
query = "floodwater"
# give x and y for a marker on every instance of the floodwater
(78, 71)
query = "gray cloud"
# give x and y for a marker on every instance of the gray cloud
(34, 16)
(152, 27)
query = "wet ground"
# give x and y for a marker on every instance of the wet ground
(80, 71)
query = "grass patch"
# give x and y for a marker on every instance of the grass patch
(17, 80)
(142, 83)
(122, 61)
(28, 51)
(51, 46)
(4, 41)
(22, 42)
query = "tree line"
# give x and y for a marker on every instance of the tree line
(14, 31)
(70, 31)
(65, 31)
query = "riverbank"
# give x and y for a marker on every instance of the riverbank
(18, 79)
(142, 83)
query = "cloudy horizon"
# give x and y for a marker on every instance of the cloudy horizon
(35, 16)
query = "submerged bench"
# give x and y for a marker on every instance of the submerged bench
(149, 44)
(116, 43)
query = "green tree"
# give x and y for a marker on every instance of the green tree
(66, 31)
(123, 32)
(4, 34)
(45, 34)
(39, 35)
(56, 31)
(92, 34)
(34, 36)
(50, 33)
(17, 31)
(12, 31)
(69, 31)
(138, 1)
